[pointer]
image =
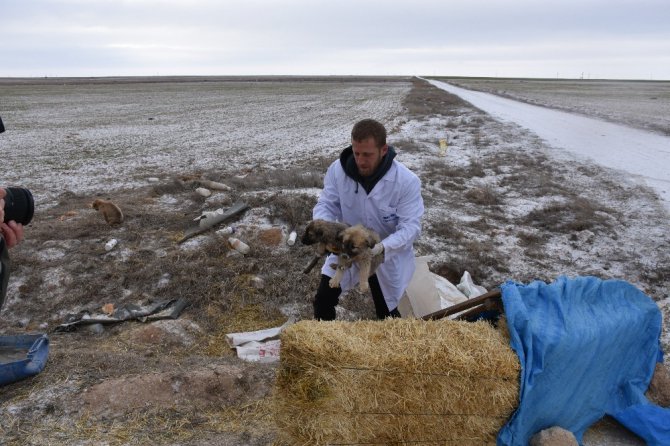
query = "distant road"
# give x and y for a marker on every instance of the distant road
(643, 154)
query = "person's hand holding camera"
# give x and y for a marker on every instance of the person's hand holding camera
(16, 210)
(11, 231)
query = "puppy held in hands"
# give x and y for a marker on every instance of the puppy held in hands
(109, 210)
(358, 242)
(326, 235)
(350, 243)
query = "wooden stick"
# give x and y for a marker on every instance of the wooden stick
(213, 221)
(470, 303)
(488, 305)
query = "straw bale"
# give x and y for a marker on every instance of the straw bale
(394, 380)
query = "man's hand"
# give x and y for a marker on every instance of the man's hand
(377, 249)
(12, 232)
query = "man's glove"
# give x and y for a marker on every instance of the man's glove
(377, 249)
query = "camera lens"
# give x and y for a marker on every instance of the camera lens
(19, 205)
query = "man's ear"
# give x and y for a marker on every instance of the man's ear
(385, 149)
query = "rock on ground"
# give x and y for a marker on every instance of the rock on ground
(659, 387)
(554, 436)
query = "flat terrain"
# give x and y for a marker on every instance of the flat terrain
(641, 104)
(498, 204)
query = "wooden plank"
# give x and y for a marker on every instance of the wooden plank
(488, 305)
(231, 212)
(470, 303)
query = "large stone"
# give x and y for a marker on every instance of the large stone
(554, 436)
(659, 387)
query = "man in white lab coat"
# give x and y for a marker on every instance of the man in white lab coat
(367, 186)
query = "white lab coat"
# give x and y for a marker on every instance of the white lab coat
(393, 209)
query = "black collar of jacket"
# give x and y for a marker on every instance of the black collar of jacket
(349, 165)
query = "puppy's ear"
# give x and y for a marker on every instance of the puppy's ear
(342, 235)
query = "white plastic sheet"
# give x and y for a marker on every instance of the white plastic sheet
(257, 346)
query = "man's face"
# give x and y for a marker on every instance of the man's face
(368, 156)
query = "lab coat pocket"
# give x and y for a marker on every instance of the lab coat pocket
(389, 216)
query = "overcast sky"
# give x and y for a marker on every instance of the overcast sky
(615, 39)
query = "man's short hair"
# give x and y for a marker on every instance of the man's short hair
(369, 128)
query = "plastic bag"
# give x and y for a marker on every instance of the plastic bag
(428, 292)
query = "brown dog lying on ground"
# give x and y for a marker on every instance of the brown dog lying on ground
(350, 243)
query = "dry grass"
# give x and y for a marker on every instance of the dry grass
(294, 209)
(573, 214)
(205, 276)
(425, 100)
(407, 146)
(252, 421)
(484, 196)
(265, 178)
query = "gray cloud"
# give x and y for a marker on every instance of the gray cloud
(463, 37)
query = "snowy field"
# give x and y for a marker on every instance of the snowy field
(640, 104)
(92, 137)
(640, 154)
(501, 203)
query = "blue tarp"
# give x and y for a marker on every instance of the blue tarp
(588, 348)
(22, 356)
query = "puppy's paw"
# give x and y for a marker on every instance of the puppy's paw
(333, 283)
(363, 287)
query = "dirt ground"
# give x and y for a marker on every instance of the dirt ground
(176, 381)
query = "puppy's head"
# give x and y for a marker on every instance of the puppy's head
(96, 204)
(313, 233)
(357, 240)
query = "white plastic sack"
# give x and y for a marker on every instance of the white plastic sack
(468, 287)
(428, 292)
(264, 352)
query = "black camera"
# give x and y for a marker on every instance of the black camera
(19, 205)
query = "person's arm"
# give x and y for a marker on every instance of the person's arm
(409, 211)
(328, 206)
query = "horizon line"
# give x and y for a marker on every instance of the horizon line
(257, 76)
